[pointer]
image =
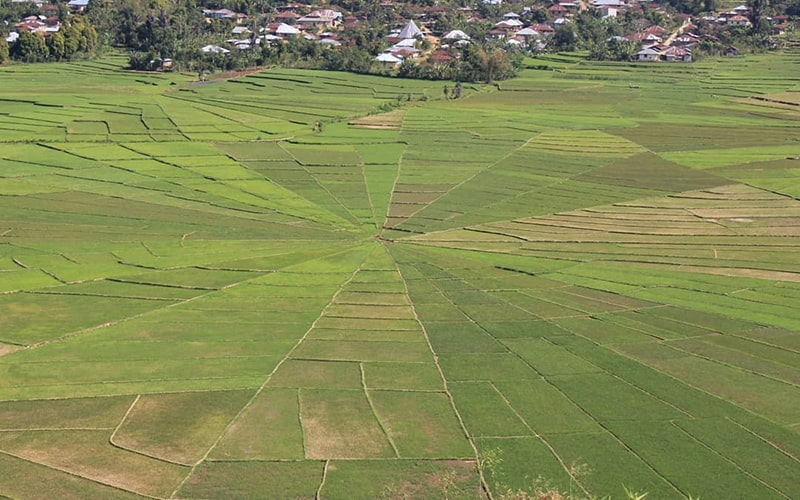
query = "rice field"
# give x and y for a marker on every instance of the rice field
(564, 279)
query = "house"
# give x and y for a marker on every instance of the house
(738, 21)
(410, 30)
(323, 18)
(606, 12)
(528, 32)
(441, 57)
(678, 54)
(387, 59)
(455, 35)
(731, 51)
(599, 4)
(648, 54)
(509, 24)
(284, 30)
(287, 16)
(78, 5)
(214, 49)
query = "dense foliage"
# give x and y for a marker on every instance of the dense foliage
(154, 31)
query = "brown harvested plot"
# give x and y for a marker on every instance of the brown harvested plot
(89, 454)
(399, 479)
(421, 424)
(179, 427)
(23, 479)
(389, 120)
(64, 413)
(317, 375)
(340, 424)
(243, 480)
(267, 429)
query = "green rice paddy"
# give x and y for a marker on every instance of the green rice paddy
(593, 283)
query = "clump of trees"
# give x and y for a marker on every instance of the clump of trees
(474, 63)
(75, 39)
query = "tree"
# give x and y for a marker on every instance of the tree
(56, 45)
(494, 64)
(31, 47)
(564, 38)
(760, 23)
(4, 51)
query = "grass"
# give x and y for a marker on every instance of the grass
(567, 272)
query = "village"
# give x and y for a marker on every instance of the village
(530, 30)
(432, 36)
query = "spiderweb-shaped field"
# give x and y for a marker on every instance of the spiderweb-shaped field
(570, 278)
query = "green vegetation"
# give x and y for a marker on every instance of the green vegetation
(583, 280)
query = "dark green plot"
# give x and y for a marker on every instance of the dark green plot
(523, 329)
(460, 337)
(522, 464)
(545, 408)
(549, 359)
(609, 467)
(488, 366)
(607, 398)
(738, 444)
(402, 376)
(485, 411)
(692, 467)
(421, 424)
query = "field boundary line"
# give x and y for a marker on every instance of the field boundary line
(396, 178)
(73, 474)
(468, 179)
(765, 440)
(46, 429)
(728, 460)
(562, 393)
(566, 468)
(355, 220)
(132, 450)
(318, 494)
(366, 189)
(269, 377)
(375, 412)
(76, 333)
(700, 389)
(732, 366)
(484, 485)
